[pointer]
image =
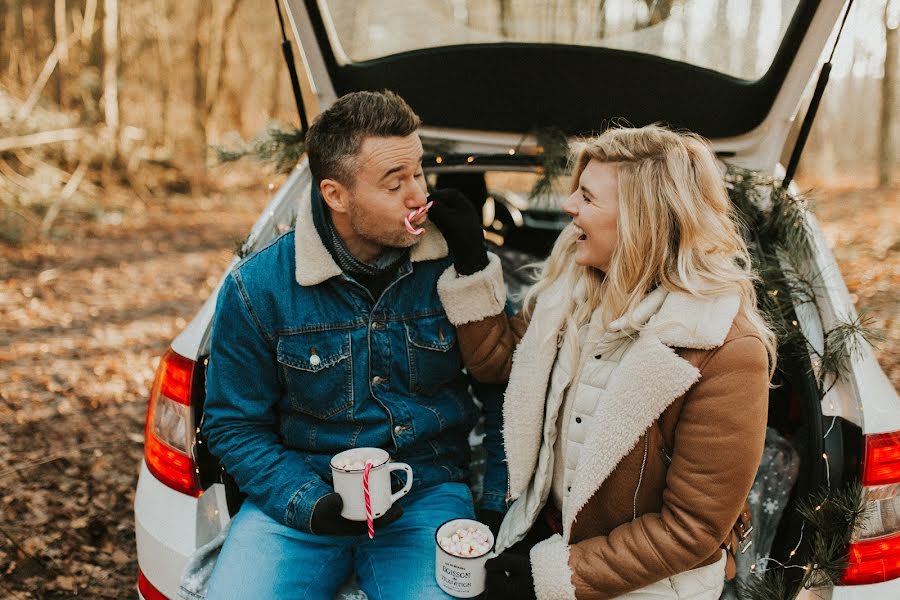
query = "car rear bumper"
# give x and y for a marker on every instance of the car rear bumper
(165, 530)
(889, 590)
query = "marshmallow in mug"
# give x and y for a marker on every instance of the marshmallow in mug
(466, 543)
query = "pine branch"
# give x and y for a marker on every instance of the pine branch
(769, 585)
(279, 147)
(553, 146)
(843, 342)
(241, 247)
(833, 515)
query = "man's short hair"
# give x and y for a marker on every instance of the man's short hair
(336, 135)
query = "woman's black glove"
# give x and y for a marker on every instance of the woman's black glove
(460, 224)
(491, 518)
(509, 578)
(327, 519)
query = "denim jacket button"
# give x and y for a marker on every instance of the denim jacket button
(399, 428)
(314, 360)
(377, 379)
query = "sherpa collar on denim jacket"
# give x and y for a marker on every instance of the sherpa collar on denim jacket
(315, 263)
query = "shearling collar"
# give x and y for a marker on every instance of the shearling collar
(315, 264)
(688, 321)
(649, 378)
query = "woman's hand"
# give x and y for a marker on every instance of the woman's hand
(509, 578)
(460, 224)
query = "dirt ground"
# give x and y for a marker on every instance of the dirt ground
(84, 320)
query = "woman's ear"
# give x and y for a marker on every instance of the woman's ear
(335, 195)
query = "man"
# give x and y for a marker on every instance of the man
(336, 336)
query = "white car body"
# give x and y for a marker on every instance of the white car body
(168, 523)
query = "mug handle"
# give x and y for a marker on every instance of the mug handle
(409, 479)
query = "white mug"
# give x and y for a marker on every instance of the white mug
(349, 482)
(460, 576)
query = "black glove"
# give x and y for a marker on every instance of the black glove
(491, 518)
(509, 578)
(327, 519)
(460, 224)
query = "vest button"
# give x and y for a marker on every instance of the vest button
(578, 419)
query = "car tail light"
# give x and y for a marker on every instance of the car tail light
(169, 432)
(147, 590)
(875, 549)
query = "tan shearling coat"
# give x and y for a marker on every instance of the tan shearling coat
(666, 469)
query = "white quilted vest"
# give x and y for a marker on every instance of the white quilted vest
(599, 357)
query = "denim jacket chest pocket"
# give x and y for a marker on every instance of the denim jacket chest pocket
(434, 359)
(318, 372)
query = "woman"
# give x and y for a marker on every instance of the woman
(636, 408)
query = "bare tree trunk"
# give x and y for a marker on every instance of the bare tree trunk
(49, 33)
(164, 54)
(111, 67)
(199, 88)
(61, 34)
(751, 45)
(600, 19)
(888, 95)
(222, 15)
(87, 25)
(505, 11)
(14, 40)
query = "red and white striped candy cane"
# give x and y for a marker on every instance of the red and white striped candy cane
(368, 500)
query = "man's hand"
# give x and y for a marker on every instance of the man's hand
(460, 224)
(327, 519)
(491, 518)
(509, 578)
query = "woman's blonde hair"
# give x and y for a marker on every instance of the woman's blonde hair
(676, 228)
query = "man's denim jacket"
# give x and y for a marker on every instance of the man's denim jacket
(305, 364)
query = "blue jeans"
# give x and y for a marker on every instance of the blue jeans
(263, 559)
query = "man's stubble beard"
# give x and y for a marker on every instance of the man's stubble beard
(378, 231)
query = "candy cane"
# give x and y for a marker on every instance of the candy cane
(415, 215)
(368, 500)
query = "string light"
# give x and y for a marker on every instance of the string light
(512, 151)
(439, 159)
(833, 420)
(802, 529)
(471, 159)
(271, 186)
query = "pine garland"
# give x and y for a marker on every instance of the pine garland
(553, 151)
(829, 517)
(279, 146)
(773, 223)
